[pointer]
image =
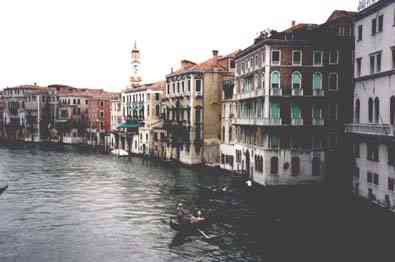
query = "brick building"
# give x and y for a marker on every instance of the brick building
(291, 98)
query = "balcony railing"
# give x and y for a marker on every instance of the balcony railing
(276, 92)
(297, 92)
(318, 92)
(370, 129)
(318, 122)
(297, 121)
(258, 122)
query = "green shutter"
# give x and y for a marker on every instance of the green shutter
(317, 81)
(295, 111)
(275, 111)
(296, 80)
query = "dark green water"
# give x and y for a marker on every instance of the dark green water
(66, 204)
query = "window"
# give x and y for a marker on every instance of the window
(317, 112)
(376, 109)
(376, 179)
(360, 31)
(357, 111)
(378, 62)
(198, 83)
(295, 166)
(275, 79)
(391, 154)
(333, 57)
(157, 109)
(359, 66)
(370, 110)
(381, 23)
(369, 177)
(275, 111)
(274, 165)
(189, 85)
(296, 80)
(393, 56)
(356, 172)
(101, 115)
(295, 111)
(157, 97)
(391, 183)
(317, 81)
(356, 150)
(274, 141)
(374, 26)
(276, 56)
(238, 156)
(317, 58)
(373, 152)
(392, 110)
(296, 57)
(333, 81)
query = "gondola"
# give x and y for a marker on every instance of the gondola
(187, 227)
(3, 189)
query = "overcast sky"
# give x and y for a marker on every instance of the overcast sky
(87, 43)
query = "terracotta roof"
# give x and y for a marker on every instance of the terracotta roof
(155, 86)
(215, 63)
(340, 14)
(300, 27)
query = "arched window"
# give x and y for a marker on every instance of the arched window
(317, 81)
(392, 110)
(274, 165)
(376, 109)
(296, 80)
(275, 79)
(370, 107)
(295, 166)
(357, 110)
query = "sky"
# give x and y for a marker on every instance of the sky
(87, 43)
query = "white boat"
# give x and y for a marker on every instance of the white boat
(119, 152)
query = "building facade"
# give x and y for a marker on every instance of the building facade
(142, 103)
(289, 90)
(372, 130)
(192, 110)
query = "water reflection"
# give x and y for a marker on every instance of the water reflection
(69, 204)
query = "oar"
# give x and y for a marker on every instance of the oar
(205, 235)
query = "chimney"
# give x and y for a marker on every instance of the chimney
(293, 23)
(215, 53)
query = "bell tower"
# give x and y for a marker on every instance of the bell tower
(135, 78)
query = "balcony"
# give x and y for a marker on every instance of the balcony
(246, 95)
(370, 129)
(258, 122)
(297, 92)
(318, 122)
(318, 92)
(276, 92)
(297, 121)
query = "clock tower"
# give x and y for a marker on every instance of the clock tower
(135, 78)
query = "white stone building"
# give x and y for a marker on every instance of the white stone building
(374, 103)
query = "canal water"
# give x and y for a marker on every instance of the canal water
(68, 204)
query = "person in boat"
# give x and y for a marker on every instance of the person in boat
(183, 215)
(198, 218)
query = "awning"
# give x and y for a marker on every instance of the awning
(130, 124)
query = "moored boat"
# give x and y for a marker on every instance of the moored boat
(119, 152)
(3, 189)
